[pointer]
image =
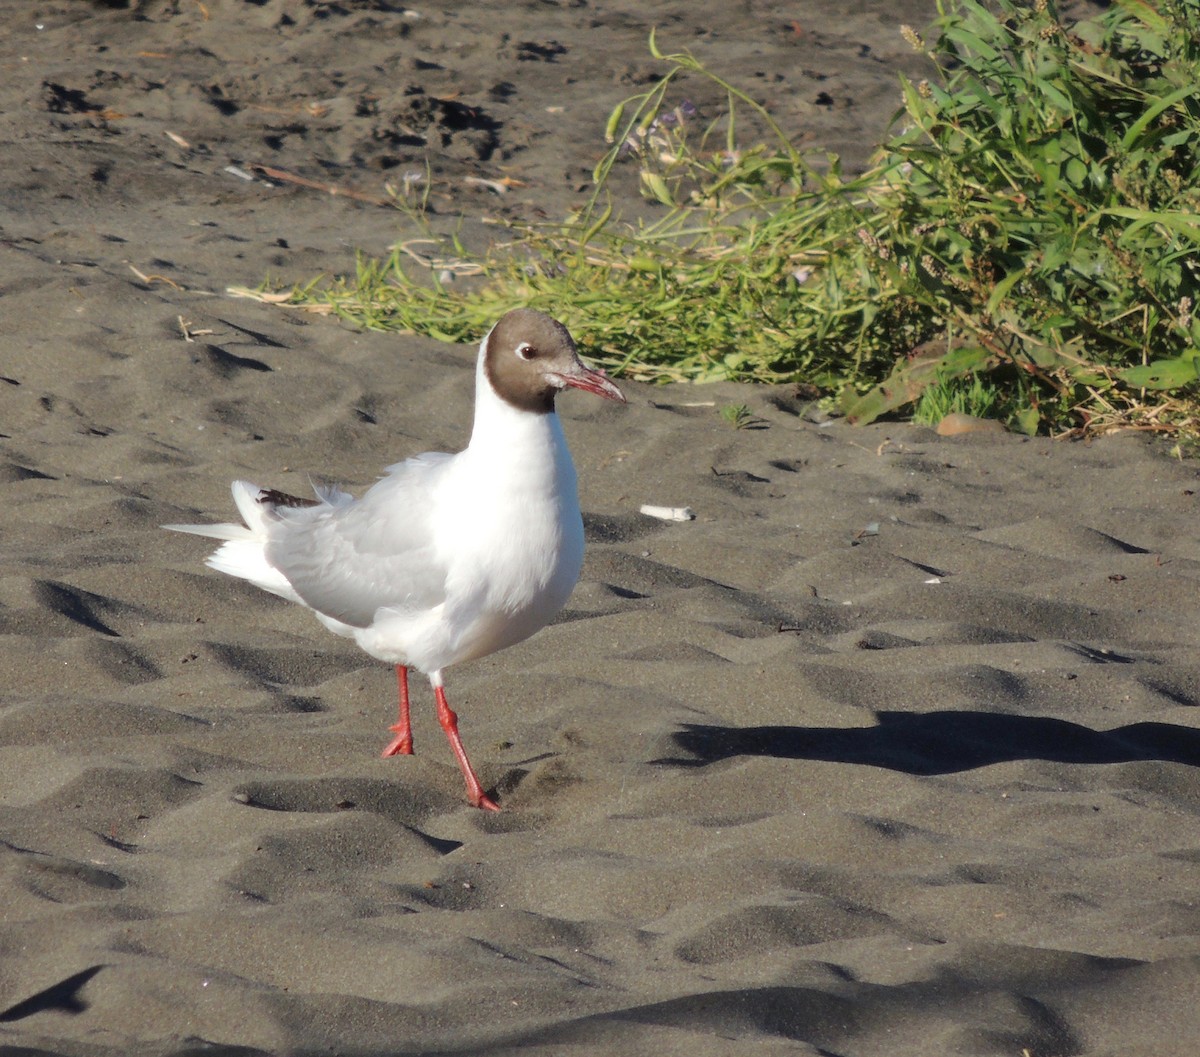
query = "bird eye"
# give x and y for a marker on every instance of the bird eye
(526, 351)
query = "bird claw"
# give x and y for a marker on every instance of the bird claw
(485, 803)
(400, 745)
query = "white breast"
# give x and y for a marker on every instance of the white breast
(510, 536)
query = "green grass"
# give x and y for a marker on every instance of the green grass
(976, 395)
(739, 416)
(1027, 241)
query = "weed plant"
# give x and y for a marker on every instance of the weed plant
(1026, 243)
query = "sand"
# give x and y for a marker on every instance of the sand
(893, 750)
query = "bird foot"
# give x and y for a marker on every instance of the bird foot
(401, 744)
(485, 803)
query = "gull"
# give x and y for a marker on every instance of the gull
(447, 558)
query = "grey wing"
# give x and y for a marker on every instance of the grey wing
(349, 559)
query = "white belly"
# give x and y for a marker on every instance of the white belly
(512, 547)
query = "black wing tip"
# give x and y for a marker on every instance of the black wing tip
(273, 497)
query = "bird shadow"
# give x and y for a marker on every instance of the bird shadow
(62, 997)
(941, 742)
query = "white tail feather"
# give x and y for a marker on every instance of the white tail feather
(242, 554)
(245, 560)
(216, 532)
(245, 495)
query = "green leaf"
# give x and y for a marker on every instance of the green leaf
(1161, 374)
(1055, 95)
(1136, 129)
(1076, 172)
(1183, 223)
(971, 42)
(592, 230)
(1143, 10)
(1000, 292)
(614, 120)
(654, 44)
(644, 264)
(1027, 421)
(657, 187)
(902, 386)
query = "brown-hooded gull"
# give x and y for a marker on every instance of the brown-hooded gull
(448, 557)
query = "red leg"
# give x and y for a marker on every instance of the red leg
(401, 744)
(449, 722)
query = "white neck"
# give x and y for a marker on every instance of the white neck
(527, 444)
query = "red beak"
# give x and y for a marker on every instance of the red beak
(591, 382)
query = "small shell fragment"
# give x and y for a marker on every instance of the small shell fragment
(669, 513)
(954, 424)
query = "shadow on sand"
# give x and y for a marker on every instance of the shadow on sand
(942, 742)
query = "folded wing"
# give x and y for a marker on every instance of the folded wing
(347, 559)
